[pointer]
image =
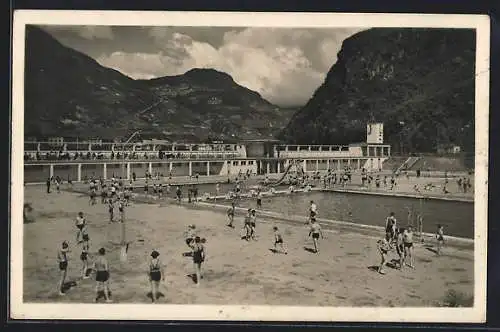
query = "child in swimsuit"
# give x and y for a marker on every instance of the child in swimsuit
(383, 246)
(102, 275)
(62, 259)
(278, 240)
(155, 273)
(440, 239)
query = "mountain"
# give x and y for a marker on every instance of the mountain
(419, 82)
(69, 94)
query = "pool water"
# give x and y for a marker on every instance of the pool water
(456, 217)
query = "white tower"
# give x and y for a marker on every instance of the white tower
(375, 133)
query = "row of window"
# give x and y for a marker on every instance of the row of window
(243, 163)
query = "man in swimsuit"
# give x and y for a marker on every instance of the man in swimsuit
(121, 209)
(102, 275)
(400, 248)
(178, 194)
(259, 199)
(278, 240)
(155, 274)
(408, 245)
(199, 256)
(390, 226)
(80, 224)
(315, 232)
(313, 211)
(440, 239)
(62, 259)
(230, 215)
(48, 185)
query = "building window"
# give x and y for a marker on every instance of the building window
(250, 162)
(243, 163)
(235, 163)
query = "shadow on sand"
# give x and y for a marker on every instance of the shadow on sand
(159, 295)
(68, 285)
(193, 277)
(311, 250)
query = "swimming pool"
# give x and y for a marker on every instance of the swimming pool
(456, 217)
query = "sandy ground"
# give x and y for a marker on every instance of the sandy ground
(236, 271)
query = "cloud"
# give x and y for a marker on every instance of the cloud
(284, 65)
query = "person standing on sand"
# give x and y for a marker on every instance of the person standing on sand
(62, 259)
(84, 256)
(383, 247)
(278, 239)
(313, 211)
(155, 274)
(253, 223)
(48, 185)
(390, 226)
(178, 194)
(230, 214)
(315, 232)
(247, 225)
(440, 239)
(111, 210)
(400, 248)
(217, 190)
(408, 245)
(101, 267)
(199, 256)
(259, 199)
(80, 224)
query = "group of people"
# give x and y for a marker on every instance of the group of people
(402, 239)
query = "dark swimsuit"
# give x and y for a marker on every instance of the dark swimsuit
(197, 255)
(154, 272)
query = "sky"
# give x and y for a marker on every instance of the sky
(284, 65)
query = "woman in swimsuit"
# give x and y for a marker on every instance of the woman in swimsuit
(247, 225)
(199, 256)
(80, 224)
(84, 258)
(408, 245)
(316, 233)
(121, 209)
(440, 239)
(155, 274)
(62, 259)
(102, 275)
(400, 248)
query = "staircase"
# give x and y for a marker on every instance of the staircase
(408, 164)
